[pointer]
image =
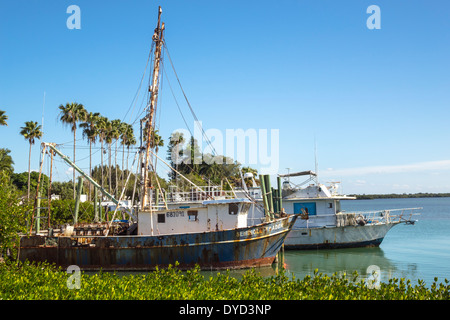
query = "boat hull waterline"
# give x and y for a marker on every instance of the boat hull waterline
(370, 235)
(254, 246)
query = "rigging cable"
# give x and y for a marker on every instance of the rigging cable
(196, 119)
(133, 102)
(176, 102)
(185, 97)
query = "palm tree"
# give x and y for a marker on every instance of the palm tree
(3, 118)
(119, 129)
(70, 115)
(30, 132)
(123, 131)
(176, 141)
(130, 142)
(6, 161)
(156, 142)
(156, 139)
(90, 132)
(109, 136)
(102, 124)
(126, 136)
(114, 135)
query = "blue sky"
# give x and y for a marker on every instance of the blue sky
(375, 103)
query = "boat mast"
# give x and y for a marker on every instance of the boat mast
(153, 98)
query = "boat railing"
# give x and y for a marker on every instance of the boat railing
(378, 216)
(197, 194)
(354, 218)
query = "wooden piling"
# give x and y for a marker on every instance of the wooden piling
(77, 199)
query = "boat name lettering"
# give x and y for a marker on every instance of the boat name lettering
(276, 226)
(175, 214)
(261, 230)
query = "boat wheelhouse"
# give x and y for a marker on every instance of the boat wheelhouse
(323, 224)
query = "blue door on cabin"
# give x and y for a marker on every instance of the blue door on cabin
(309, 207)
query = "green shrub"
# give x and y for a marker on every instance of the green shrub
(63, 211)
(43, 281)
(12, 216)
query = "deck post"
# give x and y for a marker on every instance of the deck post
(96, 219)
(77, 200)
(38, 211)
(269, 194)
(280, 195)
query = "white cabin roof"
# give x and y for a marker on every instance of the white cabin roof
(222, 201)
(315, 192)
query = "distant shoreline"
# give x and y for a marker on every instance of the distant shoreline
(403, 195)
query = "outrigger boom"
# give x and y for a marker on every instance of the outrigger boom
(52, 146)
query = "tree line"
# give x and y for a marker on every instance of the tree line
(95, 128)
(187, 159)
(183, 155)
(404, 195)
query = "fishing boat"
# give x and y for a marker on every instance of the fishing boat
(212, 232)
(213, 235)
(322, 223)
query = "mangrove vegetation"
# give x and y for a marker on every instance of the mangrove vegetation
(42, 281)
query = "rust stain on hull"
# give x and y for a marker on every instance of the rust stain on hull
(255, 246)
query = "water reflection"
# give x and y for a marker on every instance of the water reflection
(340, 261)
(412, 252)
(301, 263)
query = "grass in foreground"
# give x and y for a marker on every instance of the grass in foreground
(43, 281)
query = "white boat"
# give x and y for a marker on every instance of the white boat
(323, 224)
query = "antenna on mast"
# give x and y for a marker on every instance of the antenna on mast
(316, 165)
(42, 122)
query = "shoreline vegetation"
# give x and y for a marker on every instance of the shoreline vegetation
(46, 282)
(403, 195)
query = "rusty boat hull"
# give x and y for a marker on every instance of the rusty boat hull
(254, 246)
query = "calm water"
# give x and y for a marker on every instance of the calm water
(420, 251)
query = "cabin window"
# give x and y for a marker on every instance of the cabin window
(245, 207)
(233, 208)
(305, 207)
(161, 218)
(193, 215)
(330, 205)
